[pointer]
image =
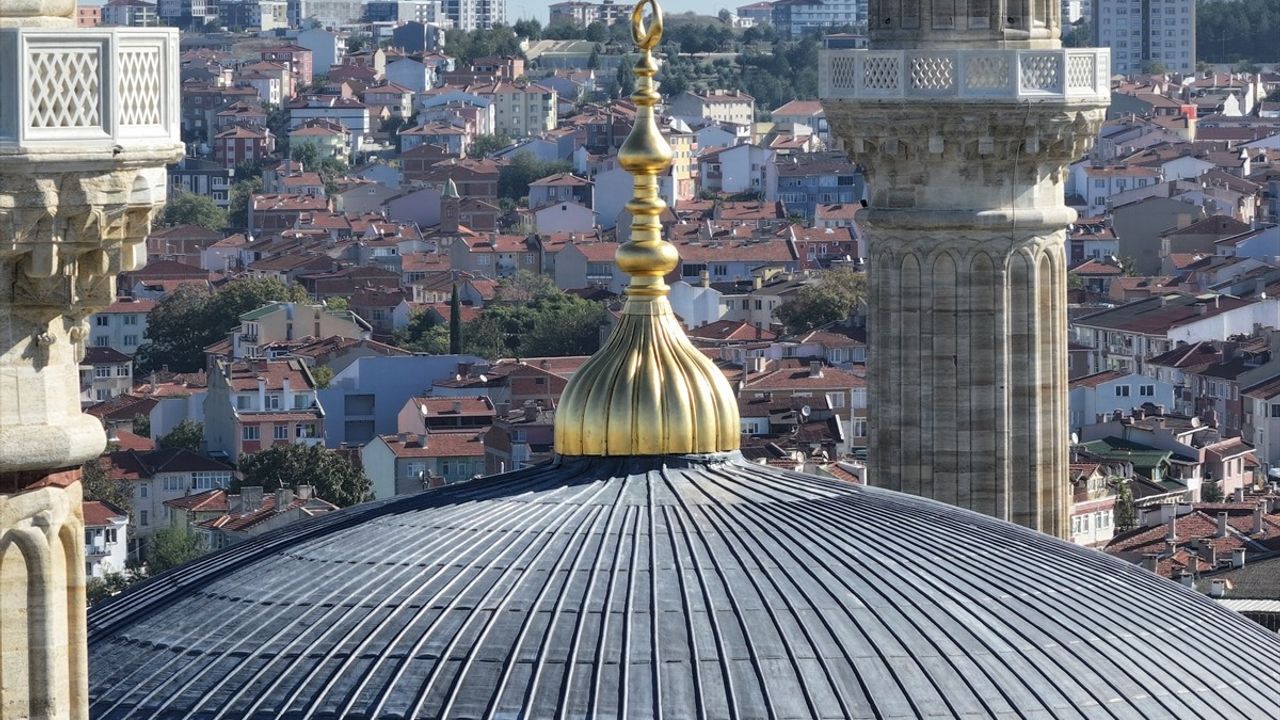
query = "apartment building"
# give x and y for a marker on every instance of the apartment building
(1144, 33)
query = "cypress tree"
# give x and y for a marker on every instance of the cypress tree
(455, 323)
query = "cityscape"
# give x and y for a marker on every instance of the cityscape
(806, 358)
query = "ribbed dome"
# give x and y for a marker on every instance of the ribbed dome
(669, 587)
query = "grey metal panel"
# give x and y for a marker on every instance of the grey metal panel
(670, 588)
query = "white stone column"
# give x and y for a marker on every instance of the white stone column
(88, 121)
(966, 152)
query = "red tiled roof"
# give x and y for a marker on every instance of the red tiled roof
(98, 513)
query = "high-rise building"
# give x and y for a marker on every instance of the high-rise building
(794, 18)
(1146, 34)
(475, 14)
(966, 122)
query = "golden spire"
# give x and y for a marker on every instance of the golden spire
(648, 391)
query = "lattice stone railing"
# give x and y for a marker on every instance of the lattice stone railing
(87, 90)
(980, 75)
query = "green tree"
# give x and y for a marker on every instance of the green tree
(554, 325)
(100, 588)
(593, 62)
(625, 80)
(186, 435)
(526, 286)
(97, 484)
(141, 425)
(337, 304)
(186, 208)
(531, 29)
(524, 168)
(1211, 492)
(241, 192)
(423, 333)
(171, 547)
(1126, 515)
(291, 465)
(1247, 66)
(1080, 35)
(455, 322)
(1154, 67)
(597, 32)
(485, 145)
(323, 375)
(189, 318)
(830, 299)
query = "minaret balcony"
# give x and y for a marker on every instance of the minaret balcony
(986, 75)
(88, 94)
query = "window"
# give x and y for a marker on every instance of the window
(102, 371)
(1147, 390)
(249, 432)
(122, 371)
(1122, 391)
(130, 319)
(242, 402)
(171, 482)
(102, 394)
(102, 320)
(109, 535)
(1275, 410)
(273, 402)
(280, 432)
(444, 468)
(130, 340)
(142, 490)
(301, 401)
(143, 518)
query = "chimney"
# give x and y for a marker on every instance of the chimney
(1172, 535)
(305, 492)
(252, 497)
(705, 277)
(1139, 413)
(815, 368)
(1150, 562)
(457, 407)
(1238, 495)
(1217, 588)
(1258, 527)
(757, 282)
(284, 498)
(1222, 525)
(1237, 557)
(235, 504)
(1187, 579)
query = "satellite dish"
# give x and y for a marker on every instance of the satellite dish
(483, 379)
(805, 412)
(1075, 439)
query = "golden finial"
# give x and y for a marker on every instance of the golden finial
(648, 391)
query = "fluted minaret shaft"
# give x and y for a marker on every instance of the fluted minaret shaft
(89, 120)
(966, 127)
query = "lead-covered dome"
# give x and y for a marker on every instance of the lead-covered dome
(673, 587)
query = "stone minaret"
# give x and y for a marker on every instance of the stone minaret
(88, 121)
(966, 116)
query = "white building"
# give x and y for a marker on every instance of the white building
(737, 169)
(121, 326)
(1105, 392)
(106, 538)
(794, 18)
(1141, 34)
(326, 46)
(727, 106)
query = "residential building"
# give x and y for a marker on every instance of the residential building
(808, 113)
(1103, 182)
(1103, 393)
(721, 106)
(519, 439)
(1122, 338)
(208, 178)
(422, 415)
(88, 16)
(842, 391)
(1146, 36)
(279, 323)
(349, 112)
(1093, 500)
(805, 181)
(120, 326)
(161, 475)
(327, 46)
(106, 538)
(759, 13)
(255, 404)
(243, 145)
(520, 109)
(130, 13)
(582, 14)
(796, 18)
(299, 60)
(475, 14)
(735, 169)
(104, 373)
(408, 463)
(561, 187)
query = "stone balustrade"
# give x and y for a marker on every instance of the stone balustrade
(965, 75)
(111, 91)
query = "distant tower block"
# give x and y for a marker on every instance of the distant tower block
(966, 116)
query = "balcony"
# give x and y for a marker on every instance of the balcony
(105, 92)
(966, 75)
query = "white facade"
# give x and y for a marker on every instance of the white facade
(1089, 400)
(119, 329)
(1146, 31)
(739, 169)
(564, 217)
(326, 48)
(106, 544)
